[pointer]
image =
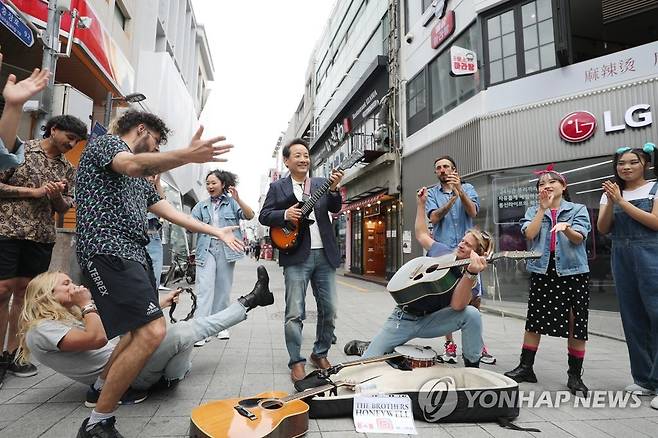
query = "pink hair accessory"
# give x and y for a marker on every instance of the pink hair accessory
(550, 169)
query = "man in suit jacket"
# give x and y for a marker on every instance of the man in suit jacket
(316, 258)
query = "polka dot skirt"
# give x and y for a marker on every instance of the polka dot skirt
(552, 297)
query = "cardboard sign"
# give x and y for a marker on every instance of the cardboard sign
(384, 413)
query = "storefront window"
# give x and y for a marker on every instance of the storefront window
(520, 41)
(504, 198)
(446, 91)
(174, 235)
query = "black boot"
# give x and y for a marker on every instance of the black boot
(260, 295)
(574, 381)
(524, 372)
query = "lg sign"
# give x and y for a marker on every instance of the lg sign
(578, 126)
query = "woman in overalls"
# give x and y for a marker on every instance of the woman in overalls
(214, 259)
(630, 214)
(558, 303)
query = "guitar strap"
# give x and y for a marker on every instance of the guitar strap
(307, 190)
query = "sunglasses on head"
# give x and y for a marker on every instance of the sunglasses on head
(647, 148)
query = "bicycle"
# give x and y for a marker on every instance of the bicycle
(181, 267)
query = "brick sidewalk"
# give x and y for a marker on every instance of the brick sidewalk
(254, 360)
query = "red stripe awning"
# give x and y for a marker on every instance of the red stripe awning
(362, 202)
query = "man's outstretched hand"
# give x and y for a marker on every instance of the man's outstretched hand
(206, 150)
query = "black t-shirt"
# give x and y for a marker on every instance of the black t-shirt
(111, 208)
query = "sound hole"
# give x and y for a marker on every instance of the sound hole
(431, 269)
(419, 276)
(272, 404)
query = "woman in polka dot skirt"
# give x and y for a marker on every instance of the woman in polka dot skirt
(558, 304)
(629, 212)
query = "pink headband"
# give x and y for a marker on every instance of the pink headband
(550, 169)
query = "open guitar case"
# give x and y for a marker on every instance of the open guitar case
(431, 402)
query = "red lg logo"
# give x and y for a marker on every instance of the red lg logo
(577, 126)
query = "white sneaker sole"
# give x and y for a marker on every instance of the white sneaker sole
(449, 359)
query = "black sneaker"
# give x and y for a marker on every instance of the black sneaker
(20, 370)
(102, 429)
(4, 365)
(356, 347)
(130, 397)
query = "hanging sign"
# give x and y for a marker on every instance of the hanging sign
(462, 61)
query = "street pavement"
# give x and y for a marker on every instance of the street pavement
(255, 360)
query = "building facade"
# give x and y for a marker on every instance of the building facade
(557, 82)
(154, 47)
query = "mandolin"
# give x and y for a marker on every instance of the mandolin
(425, 276)
(269, 414)
(288, 237)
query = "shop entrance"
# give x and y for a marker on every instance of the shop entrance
(374, 246)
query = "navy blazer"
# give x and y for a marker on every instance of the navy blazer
(280, 197)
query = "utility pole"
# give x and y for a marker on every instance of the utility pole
(50, 52)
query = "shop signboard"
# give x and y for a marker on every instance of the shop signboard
(443, 29)
(462, 61)
(579, 126)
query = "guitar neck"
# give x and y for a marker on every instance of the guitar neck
(309, 392)
(373, 359)
(307, 208)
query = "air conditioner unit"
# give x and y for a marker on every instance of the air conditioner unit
(68, 100)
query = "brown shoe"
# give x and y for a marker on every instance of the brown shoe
(319, 362)
(297, 372)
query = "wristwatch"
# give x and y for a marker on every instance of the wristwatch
(471, 276)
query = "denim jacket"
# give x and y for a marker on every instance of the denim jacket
(230, 213)
(570, 258)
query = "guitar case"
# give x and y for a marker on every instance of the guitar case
(440, 393)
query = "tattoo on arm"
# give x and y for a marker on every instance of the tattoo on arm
(152, 170)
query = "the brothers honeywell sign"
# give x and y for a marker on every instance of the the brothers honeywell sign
(579, 126)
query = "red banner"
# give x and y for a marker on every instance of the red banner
(96, 41)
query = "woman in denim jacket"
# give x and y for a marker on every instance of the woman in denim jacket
(629, 212)
(214, 259)
(558, 303)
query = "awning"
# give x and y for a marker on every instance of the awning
(361, 203)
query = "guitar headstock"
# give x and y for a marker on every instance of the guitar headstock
(515, 255)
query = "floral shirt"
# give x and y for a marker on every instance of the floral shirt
(111, 207)
(33, 218)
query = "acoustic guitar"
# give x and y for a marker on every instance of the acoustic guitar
(269, 414)
(425, 276)
(288, 237)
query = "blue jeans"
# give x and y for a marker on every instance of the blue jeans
(214, 281)
(322, 276)
(401, 327)
(154, 248)
(172, 360)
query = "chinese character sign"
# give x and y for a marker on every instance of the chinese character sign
(462, 61)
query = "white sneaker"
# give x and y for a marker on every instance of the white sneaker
(654, 403)
(636, 389)
(224, 334)
(201, 343)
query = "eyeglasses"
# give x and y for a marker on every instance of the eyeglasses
(157, 142)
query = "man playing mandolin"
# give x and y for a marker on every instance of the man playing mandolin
(316, 257)
(436, 315)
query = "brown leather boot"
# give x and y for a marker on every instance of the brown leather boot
(319, 362)
(297, 372)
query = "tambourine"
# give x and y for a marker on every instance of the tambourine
(173, 306)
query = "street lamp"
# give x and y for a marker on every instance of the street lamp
(130, 98)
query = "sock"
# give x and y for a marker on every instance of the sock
(530, 347)
(580, 354)
(98, 384)
(97, 417)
